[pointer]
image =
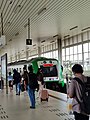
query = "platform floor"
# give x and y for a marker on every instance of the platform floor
(14, 107)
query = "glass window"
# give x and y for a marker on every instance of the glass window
(67, 51)
(79, 48)
(63, 52)
(89, 46)
(71, 57)
(75, 49)
(56, 54)
(63, 58)
(85, 47)
(56, 45)
(75, 39)
(50, 54)
(71, 41)
(79, 38)
(85, 36)
(42, 55)
(86, 56)
(67, 58)
(53, 45)
(63, 43)
(89, 35)
(67, 43)
(75, 57)
(79, 56)
(71, 50)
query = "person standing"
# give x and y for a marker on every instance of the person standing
(10, 79)
(25, 78)
(75, 92)
(40, 80)
(17, 80)
(32, 83)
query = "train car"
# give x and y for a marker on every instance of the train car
(51, 70)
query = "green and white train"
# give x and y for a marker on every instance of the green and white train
(51, 69)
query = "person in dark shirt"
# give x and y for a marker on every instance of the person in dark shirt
(25, 78)
(32, 86)
(17, 80)
(40, 76)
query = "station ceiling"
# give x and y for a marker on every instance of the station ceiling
(47, 17)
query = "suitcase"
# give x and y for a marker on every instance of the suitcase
(44, 95)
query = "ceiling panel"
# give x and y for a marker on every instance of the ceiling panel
(59, 16)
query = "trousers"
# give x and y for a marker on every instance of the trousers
(31, 93)
(79, 116)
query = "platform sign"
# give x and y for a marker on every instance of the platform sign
(4, 72)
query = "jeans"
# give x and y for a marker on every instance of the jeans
(79, 116)
(31, 93)
(18, 88)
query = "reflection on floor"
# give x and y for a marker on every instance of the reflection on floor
(14, 107)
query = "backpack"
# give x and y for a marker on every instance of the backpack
(85, 99)
(33, 83)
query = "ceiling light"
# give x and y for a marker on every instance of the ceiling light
(73, 27)
(66, 36)
(52, 41)
(34, 45)
(10, 2)
(55, 35)
(42, 10)
(85, 28)
(17, 34)
(17, 9)
(42, 41)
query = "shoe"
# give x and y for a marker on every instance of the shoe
(32, 107)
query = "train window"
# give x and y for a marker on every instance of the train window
(49, 71)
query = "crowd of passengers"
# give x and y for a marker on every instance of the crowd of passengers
(79, 89)
(27, 81)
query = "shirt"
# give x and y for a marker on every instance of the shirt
(74, 92)
(10, 78)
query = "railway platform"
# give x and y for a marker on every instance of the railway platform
(14, 107)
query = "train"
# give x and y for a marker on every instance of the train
(51, 69)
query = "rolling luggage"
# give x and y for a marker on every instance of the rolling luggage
(44, 95)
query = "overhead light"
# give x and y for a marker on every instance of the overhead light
(42, 10)
(55, 35)
(52, 41)
(34, 45)
(10, 40)
(73, 27)
(66, 36)
(42, 45)
(17, 9)
(25, 25)
(85, 28)
(17, 34)
(42, 41)
(10, 2)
